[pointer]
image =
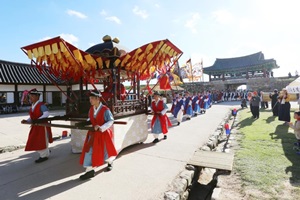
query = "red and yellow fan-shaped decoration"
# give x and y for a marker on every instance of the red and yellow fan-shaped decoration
(64, 59)
(150, 57)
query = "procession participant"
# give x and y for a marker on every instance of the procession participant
(160, 121)
(205, 102)
(179, 108)
(255, 100)
(274, 102)
(188, 106)
(99, 143)
(284, 107)
(201, 103)
(39, 136)
(195, 104)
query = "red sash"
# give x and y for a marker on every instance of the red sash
(164, 120)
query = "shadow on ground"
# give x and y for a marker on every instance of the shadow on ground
(287, 141)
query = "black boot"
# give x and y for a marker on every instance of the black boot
(178, 123)
(87, 175)
(41, 159)
(165, 137)
(109, 167)
(155, 140)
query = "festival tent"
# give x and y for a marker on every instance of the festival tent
(294, 87)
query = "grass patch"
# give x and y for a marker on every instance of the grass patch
(266, 160)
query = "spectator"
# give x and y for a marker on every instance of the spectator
(284, 107)
(296, 127)
(255, 100)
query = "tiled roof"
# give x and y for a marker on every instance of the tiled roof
(240, 62)
(20, 73)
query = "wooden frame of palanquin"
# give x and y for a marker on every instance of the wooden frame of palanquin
(75, 66)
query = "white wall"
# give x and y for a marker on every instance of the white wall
(7, 88)
(21, 88)
(53, 88)
(10, 97)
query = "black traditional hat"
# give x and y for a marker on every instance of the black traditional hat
(95, 93)
(156, 93)
(34, 91)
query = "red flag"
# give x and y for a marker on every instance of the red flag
(164, 83)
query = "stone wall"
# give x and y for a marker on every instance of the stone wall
(259, 84)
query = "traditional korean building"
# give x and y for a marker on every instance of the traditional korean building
(16, 79)
(245, 67)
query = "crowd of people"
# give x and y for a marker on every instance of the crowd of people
(99, 145)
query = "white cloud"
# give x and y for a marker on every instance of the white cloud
(72, 39)
(113, 19)
(142, 13)
(193, 22)
(222, 16)
(103, 12)
(157, 5)
(76, 14)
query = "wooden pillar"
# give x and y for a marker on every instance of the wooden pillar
(265, 75)
(44, 93)
(209, 77)
(223, 77)
(16, 96)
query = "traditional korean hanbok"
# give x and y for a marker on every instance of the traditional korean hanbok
(39, 136)
(195, 105)
(160, 121)
(188, 108)
(99, 145)
(178, 110)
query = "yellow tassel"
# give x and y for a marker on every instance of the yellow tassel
(54, 48)
(41, 51)
(90, 59)
(52, 57)
(100, 62)
(48, 50)
(35, 53)
(62, 47)
(141, 57)
(58, 55)
(149, 47)
(107, 63)
(29, 54)
(117, 62)
(149, 57)
(77, 55)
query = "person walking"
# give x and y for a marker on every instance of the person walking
(274, 102)
(188, 106)
(160, 121)
(178, 109)
(39, 136)
(99, 145)
(255, 100)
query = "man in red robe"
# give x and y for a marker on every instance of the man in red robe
(39, 136)
(160, 121)
(99, 145)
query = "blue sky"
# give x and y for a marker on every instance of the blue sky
(201, 29)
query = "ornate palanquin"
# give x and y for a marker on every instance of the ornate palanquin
(105, 64)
